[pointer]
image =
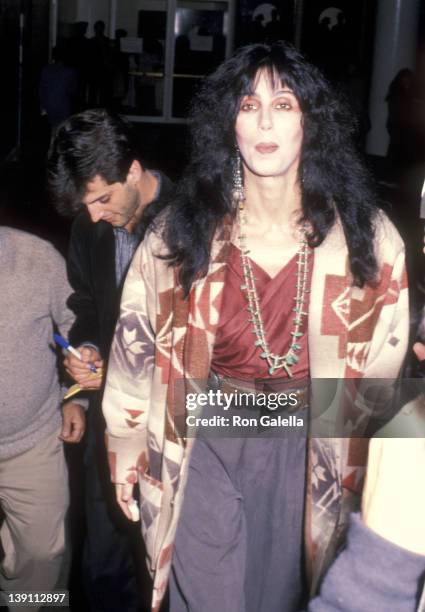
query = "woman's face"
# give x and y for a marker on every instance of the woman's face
(269, 129)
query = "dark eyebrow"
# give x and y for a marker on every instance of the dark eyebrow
(279, 92)
(97, 199)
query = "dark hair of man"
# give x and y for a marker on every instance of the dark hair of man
(88, 144)
(331, 174)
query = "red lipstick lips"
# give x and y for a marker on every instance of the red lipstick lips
(266, 147)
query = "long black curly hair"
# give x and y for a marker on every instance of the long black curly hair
(334, 180)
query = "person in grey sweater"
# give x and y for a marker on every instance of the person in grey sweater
(33, 475)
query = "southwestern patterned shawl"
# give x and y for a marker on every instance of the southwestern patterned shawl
(163, 346)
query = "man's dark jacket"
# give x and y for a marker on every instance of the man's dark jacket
(114, 582)
(91, 270)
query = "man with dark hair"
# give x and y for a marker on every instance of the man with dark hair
(94, 165)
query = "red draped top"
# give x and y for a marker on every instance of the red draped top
(234, 352)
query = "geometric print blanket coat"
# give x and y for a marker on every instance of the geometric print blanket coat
(164, 342)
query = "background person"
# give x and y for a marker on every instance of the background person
(100, 62)
(274, 213)
(34, 493)
(96, 173)
(58, 88)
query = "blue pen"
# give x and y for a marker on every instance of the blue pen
(65, 345)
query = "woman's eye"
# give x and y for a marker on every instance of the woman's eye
(283, 105)
(247, 106)
(104, 200)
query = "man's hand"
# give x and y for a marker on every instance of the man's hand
(126, 501)
(74, 422)
(80, 370)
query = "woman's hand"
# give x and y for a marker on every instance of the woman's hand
(126, 501)
(419, 350)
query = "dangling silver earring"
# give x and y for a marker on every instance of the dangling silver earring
(238, 191)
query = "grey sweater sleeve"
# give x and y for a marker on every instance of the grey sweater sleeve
(60, 291)
(33, 296)
(371, 574)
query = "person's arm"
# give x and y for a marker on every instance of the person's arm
(84, 333)
(390, 337)
(60, 291)
(129, 379)
(385, 352)
(383, 563)
(73, 424)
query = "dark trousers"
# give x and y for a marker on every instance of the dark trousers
(239, 541)
(114, 568)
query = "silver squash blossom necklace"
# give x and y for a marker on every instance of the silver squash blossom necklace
(275, 362)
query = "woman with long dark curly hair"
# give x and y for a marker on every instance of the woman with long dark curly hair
(270, 267)
(329, 176)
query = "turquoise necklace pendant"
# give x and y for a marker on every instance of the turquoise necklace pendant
(274, 362)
